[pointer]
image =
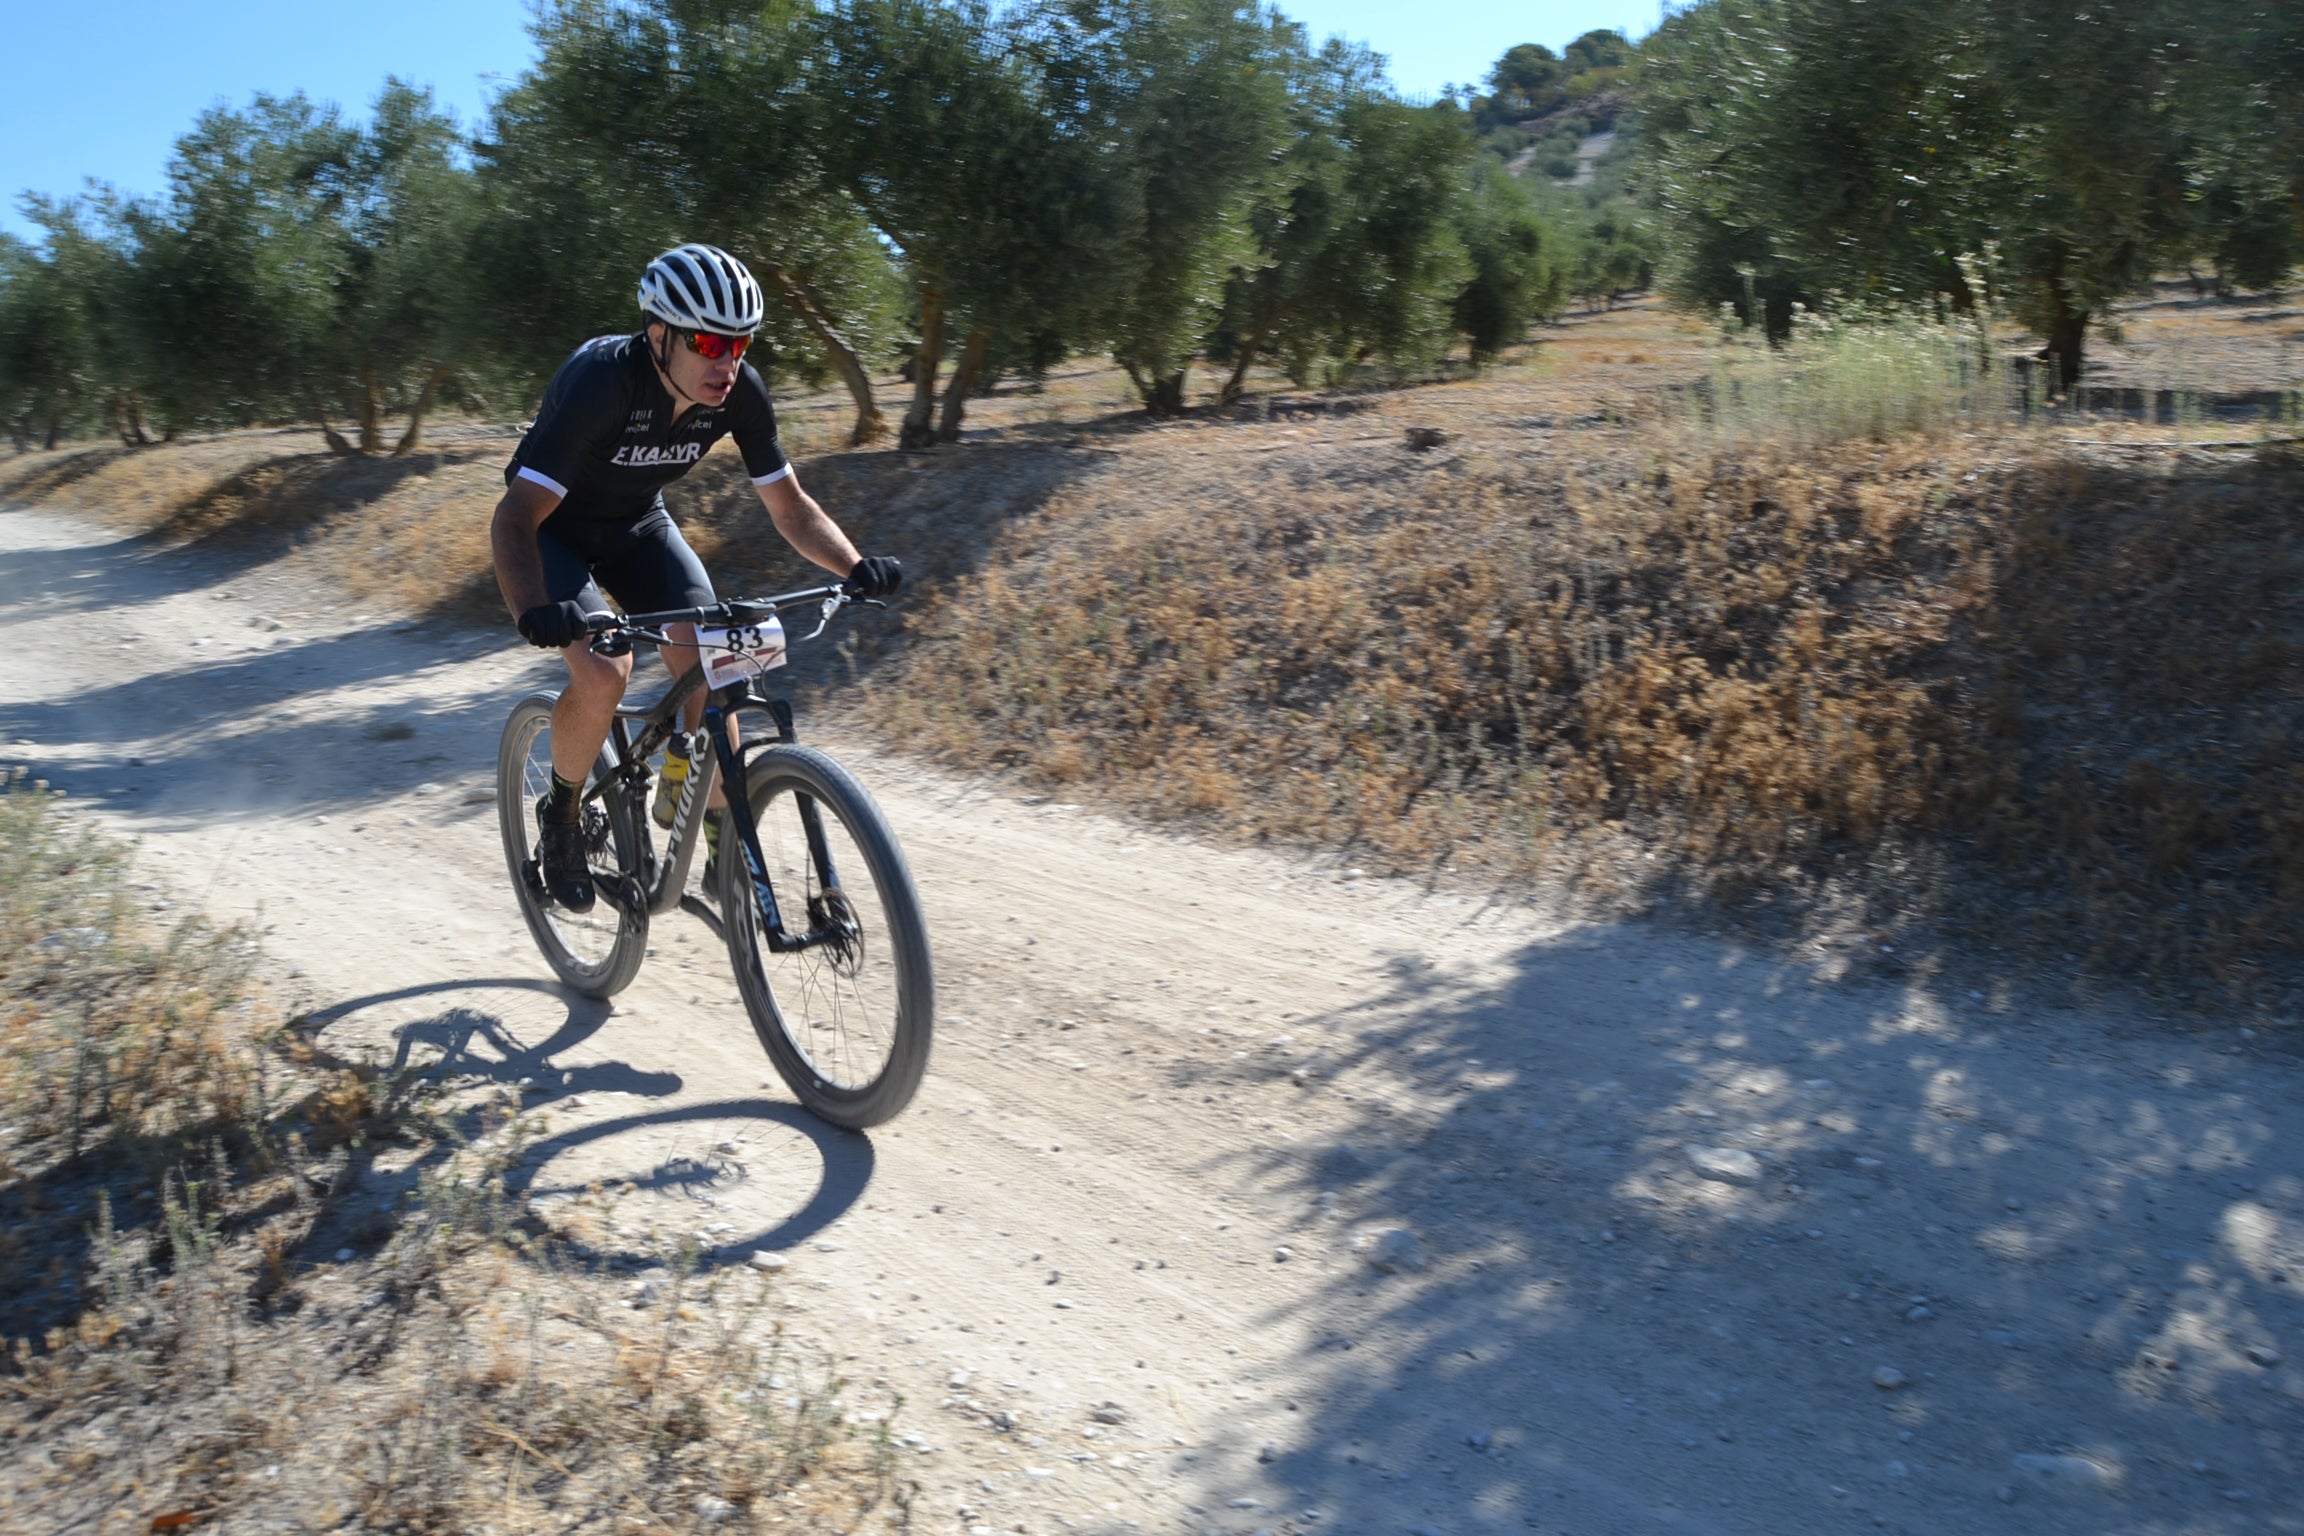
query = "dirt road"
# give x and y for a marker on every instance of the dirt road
(1679, 1238)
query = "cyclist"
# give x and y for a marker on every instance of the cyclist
(583, 508)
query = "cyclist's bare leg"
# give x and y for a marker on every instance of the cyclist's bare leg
(587, 707)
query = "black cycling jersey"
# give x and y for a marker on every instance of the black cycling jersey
(608, 439)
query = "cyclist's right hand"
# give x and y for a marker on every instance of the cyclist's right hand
(554, 626)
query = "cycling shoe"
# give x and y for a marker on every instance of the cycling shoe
(561, 855)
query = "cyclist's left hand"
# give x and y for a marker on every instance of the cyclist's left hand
(876, 576)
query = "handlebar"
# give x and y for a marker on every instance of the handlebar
(616, 632)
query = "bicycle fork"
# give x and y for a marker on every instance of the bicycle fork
(826, 926)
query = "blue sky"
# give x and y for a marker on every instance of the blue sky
(105, 94)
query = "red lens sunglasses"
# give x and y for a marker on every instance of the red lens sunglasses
(712, 346)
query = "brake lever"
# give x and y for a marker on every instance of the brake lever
(831, 606)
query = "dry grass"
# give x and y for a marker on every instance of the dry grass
(1971, 678)
(111, 1036)
(198, 1360)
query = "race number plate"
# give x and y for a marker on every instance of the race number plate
(747, 650)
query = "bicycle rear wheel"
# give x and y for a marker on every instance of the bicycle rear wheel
(847, 1019)
(596, 952)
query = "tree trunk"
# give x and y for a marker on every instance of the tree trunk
(55, 431)
(1250, 350)
(2067, 341)
(1230, 393)
(1167, 396)
(964, 372)
(336, 441)
(871, 426)
(413, 438)
(919, 429)
(2067, 333)
(371, 413)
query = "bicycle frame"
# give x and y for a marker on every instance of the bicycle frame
(633, 739)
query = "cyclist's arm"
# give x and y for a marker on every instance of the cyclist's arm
(806, 526)
(512, 540)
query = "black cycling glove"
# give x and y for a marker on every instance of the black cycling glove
(554, 626)
(876, 576)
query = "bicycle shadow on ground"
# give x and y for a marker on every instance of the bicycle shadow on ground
(477, 1048)
(1702, 1243)
(455, 1031)
(848, 1159)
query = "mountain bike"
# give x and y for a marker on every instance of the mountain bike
(810, 893)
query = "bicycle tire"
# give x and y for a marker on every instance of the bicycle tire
(878, 987)
(599, 952)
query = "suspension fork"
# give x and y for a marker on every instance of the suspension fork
(781, 940)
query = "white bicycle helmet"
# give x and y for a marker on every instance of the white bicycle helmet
(702, 288)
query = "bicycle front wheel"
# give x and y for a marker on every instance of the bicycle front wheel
(847, 1015)
(596, 952)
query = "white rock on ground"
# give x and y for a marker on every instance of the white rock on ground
(1394, 1250)
(1727, 1165)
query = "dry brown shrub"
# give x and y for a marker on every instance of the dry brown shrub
(108, 1031)
(1776, 666)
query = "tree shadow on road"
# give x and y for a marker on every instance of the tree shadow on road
(2048, 1241)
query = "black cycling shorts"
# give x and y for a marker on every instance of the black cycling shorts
(646, 565)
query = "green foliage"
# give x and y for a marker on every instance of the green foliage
(1356, 255)
(402, 226)
(939, 124)
(48, 355)
(911, 179)
(1840, 381)
(1515, 274)
(2247, 135)
(1875, 156)
(1192, 94)
(1605, 242)
(644, 126)
(238, 265)
(1531, 81)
